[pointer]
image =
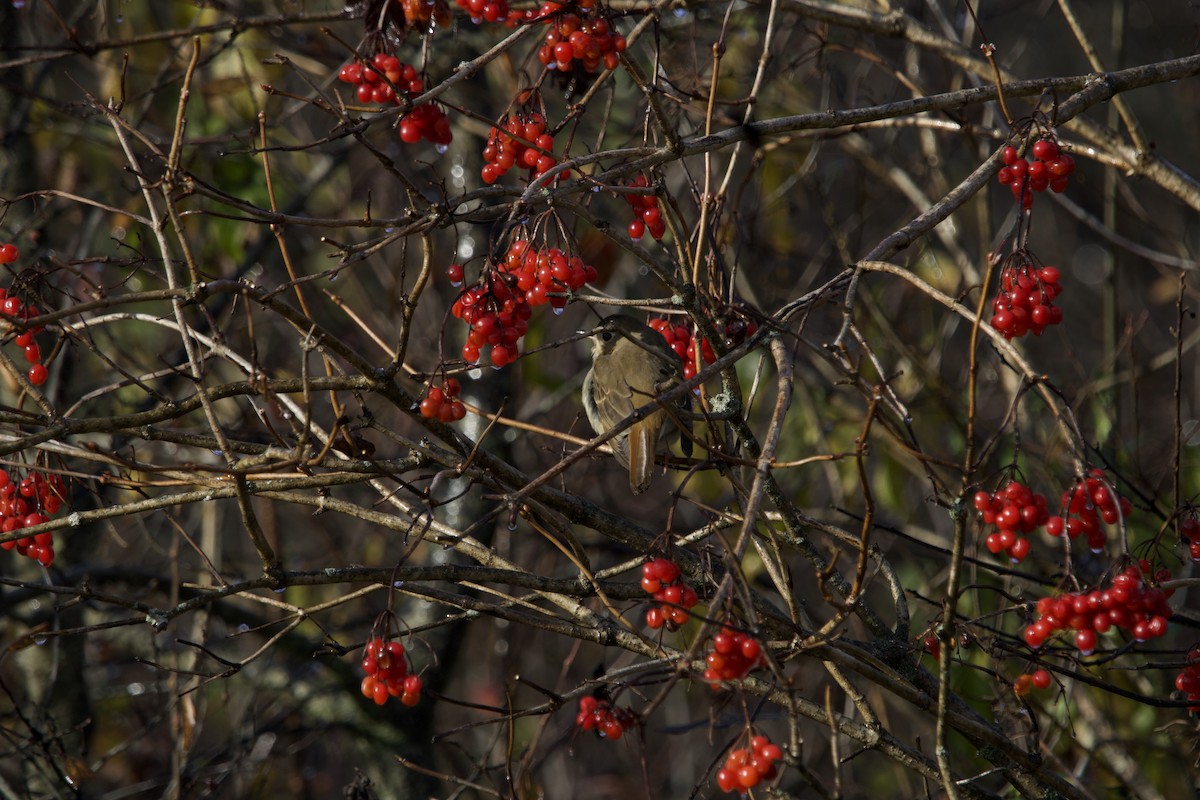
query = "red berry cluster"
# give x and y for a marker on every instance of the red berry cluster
(498, 315)
(682, 339)
(426, 121)
(505, 148)
(387, 673)
(1130, 603)
(679, 337)
(600, 715)
(441, 402)
(1038, 679)
(546, 274)
(663, 579)
(1049, 169)
(647, 215)
(732, 657)
(1189, 533)
(746, 767)
(1014, 510)
(30, 501)
(1025, 302)
(1188, 681)
(571, 38)
(378, 80)
(1087, 504)
(11, 306)
(485, 10)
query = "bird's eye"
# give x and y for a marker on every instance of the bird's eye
(607, 336)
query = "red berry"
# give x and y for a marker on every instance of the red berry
(502, 356)
(751, 649)
(1061, 167)
(410, 133)
(1018, 550)
(727, 780)
(1045, 149)
(666, 570)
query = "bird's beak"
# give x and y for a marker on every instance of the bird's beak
(592, 332)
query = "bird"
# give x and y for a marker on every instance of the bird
(631, 365)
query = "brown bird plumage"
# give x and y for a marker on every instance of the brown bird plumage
(631, 365)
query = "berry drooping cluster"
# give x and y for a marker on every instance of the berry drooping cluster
(442, 403)
(647, 216)
(1087, 504)
(1025, 302)
(1048, 170)
(546, 274)
(732, 657)
(600, 715)
(1014, 510)
(1189, 534)
(498, 316)
(507, 147)
(28, 501)
(1131, 603)
(387, 79)
(746, 767)
(678, 336)
(1188, 680)
(387, 673)
(482, 11)
(379, 79)
(12, 307)
(572, 38)
(662, 578)
(682, 339)
(426, 121)
(1038, 679)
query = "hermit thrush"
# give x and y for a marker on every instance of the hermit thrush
(631, 365)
